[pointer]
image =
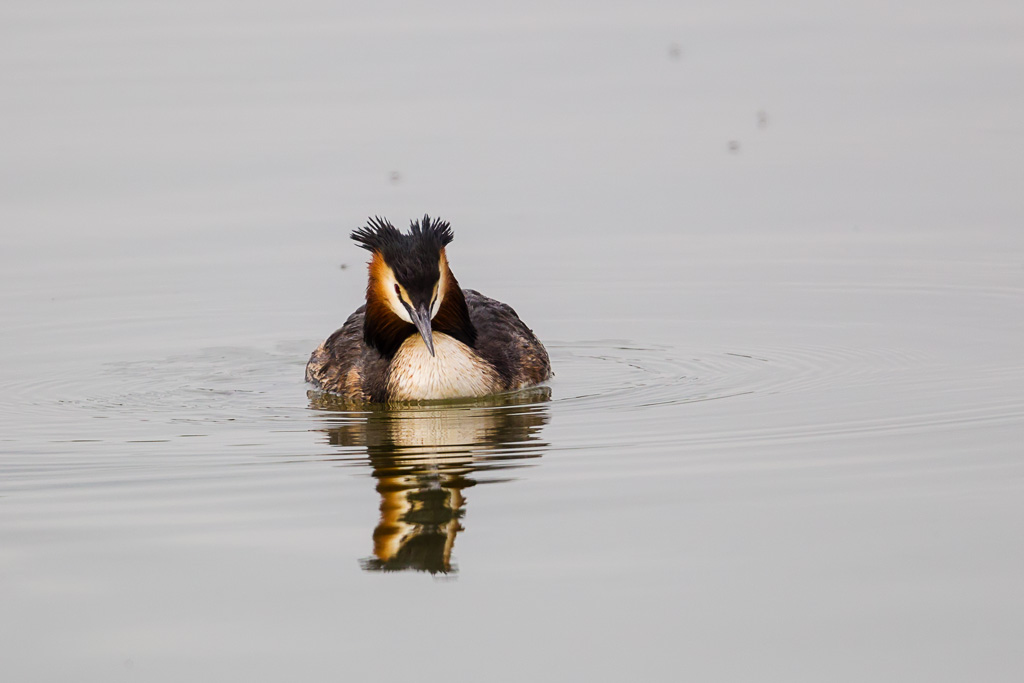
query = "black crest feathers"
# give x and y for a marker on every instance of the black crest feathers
(377, 234)
(381, 236)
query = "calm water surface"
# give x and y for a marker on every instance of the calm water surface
(777, 259)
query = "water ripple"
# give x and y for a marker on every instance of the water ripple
(797, 392)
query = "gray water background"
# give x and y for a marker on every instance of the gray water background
(775, 250)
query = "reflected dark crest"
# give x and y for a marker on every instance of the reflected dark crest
(423, 458)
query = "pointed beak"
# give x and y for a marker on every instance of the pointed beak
(421, 319)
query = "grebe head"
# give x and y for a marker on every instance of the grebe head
(407, 272)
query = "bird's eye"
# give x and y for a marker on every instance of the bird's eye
(398, 291)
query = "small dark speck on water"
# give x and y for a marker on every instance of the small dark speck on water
(762, 118)
(395, 177)
(343, 266)
(734, 146)
(675, 51)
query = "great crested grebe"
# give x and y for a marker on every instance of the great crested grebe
(420, 336)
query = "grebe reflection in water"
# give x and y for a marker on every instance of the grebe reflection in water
(423, 458)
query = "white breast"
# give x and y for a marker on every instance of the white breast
(454, 371)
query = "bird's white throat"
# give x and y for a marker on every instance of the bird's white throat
(454, 371)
